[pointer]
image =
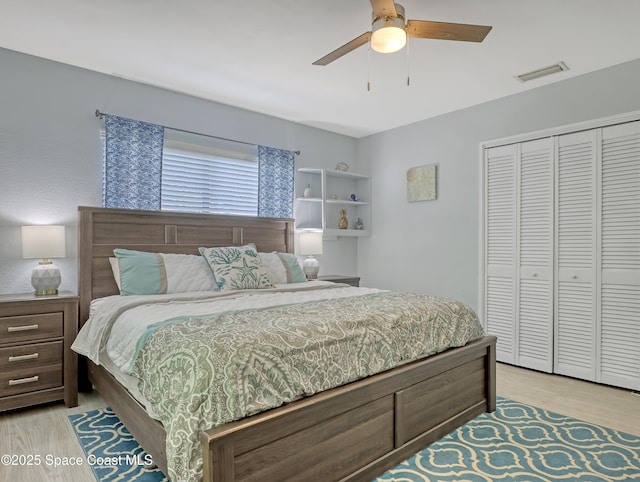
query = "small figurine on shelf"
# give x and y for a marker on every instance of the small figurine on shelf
(308, 192)
(359, 224)
(344, 222)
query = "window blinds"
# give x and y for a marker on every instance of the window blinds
(202, 182)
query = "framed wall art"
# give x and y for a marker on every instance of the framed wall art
(422, 183)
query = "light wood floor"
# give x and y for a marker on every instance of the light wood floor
(46, 431)
(599, 404)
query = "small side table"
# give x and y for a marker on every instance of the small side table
(37, 364)
(336, 278)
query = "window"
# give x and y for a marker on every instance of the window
(207, 180)
(152, 167)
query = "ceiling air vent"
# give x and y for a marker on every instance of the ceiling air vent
(552, 69)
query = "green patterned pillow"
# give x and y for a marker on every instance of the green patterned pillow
(236, 268)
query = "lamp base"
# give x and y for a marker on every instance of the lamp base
(45, 292)
(45, 279)
(311, 267)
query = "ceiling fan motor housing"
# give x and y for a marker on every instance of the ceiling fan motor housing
(387, 32)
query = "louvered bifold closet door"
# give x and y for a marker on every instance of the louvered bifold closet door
(534, 331)
(620, 258)
(500, 248)
(575, 307)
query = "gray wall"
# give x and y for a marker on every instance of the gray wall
(51, 151)
(433, 246)
(51, 161)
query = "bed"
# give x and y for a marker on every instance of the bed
(354, 431)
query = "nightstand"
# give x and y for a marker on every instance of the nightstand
(336, 278)
(37, 364)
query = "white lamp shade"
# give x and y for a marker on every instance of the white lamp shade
(310, 243)
(43, 242)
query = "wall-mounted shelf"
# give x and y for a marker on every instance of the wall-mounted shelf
(334, 189)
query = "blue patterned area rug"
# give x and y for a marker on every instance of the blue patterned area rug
(522, 443)
(516, 443)
(110, 450)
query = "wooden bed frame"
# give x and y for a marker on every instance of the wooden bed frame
(353, 432)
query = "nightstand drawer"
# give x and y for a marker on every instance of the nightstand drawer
(30, 327)
(31, 356)
(28, 380)
(336, 278)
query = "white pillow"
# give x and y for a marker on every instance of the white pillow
(275, 268)
(115, 268)
(188, 272)
(184, 272)
(282, 267)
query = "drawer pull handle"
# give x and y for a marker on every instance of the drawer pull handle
(20, 381)
(32, 356)
(12, 329)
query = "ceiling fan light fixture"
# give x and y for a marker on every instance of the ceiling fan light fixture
(387, 33)
(388, 39)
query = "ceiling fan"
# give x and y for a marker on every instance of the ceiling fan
(389, 32)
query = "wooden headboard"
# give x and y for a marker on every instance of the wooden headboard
(101, 230)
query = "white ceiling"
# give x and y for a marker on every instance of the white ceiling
(257, 54)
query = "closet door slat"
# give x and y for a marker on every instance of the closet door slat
(575, 303)
(500, 242)
(620, 237)
(534, 340)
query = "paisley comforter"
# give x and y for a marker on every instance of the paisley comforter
(212, 364)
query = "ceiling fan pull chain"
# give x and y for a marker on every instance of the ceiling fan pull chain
(408, 65)
(369, 69)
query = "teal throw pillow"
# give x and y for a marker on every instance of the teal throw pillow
(141, 273)
(294, 271)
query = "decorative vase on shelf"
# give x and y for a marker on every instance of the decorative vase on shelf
(344, 222)
(308, 192)
(359, 224)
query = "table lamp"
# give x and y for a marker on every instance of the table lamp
(310, 244)
(44, 242)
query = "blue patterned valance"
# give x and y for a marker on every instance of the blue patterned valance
(275, 184)
(133, 164)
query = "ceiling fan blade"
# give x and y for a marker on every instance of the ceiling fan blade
(446, 31)
(383, 8)
(345, 49)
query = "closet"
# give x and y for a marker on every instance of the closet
(561, 252)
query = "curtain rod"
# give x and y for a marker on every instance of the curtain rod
(100, 115)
